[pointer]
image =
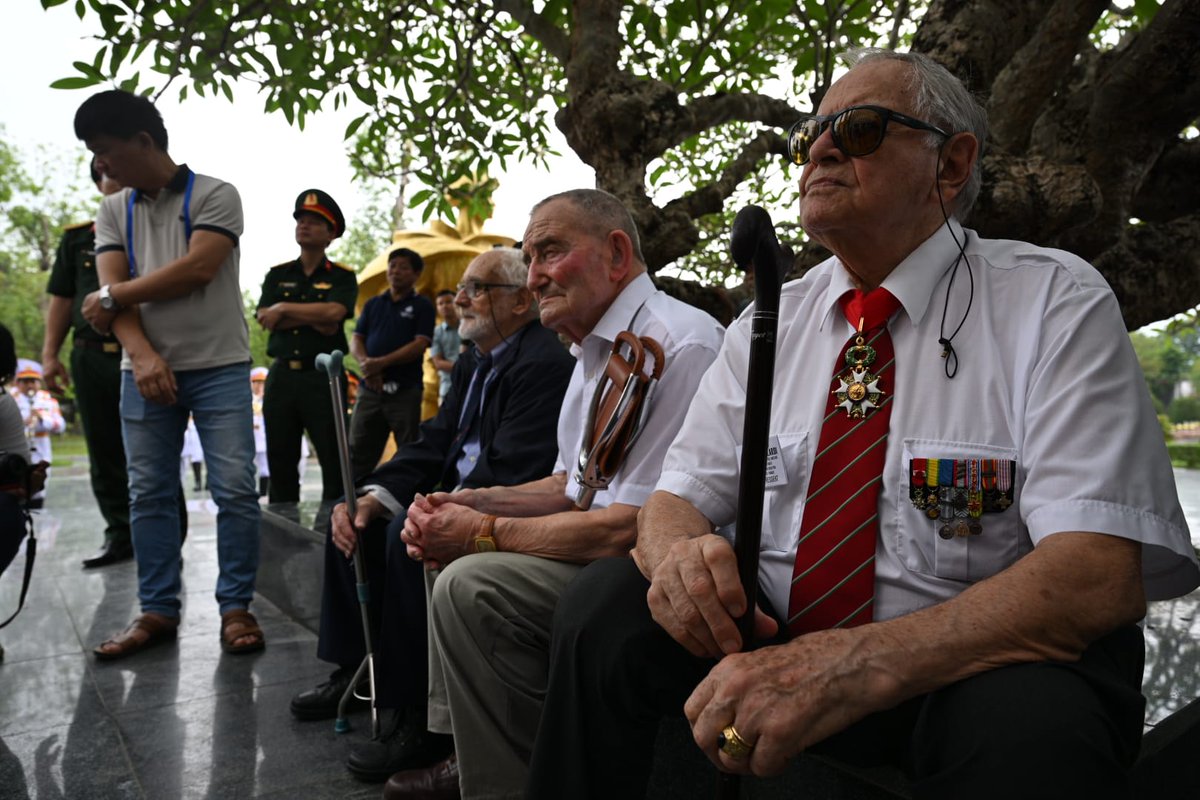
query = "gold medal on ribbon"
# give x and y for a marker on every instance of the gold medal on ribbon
(858, 388)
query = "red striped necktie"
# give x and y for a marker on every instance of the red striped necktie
(833, 581)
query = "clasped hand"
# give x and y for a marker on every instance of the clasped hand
(439, 528)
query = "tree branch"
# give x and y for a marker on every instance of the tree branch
(1170, 189)
(711, 198)
(549, 35)
(962, 35)
(1155, 269)
(1036, 70)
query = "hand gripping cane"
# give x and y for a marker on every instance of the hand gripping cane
(753, 244)
(331, 364)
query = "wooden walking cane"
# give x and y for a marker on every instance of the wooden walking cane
(753, 244)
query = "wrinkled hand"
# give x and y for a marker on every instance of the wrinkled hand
(437, 531)
(345, 532)
(696, 596)
(270, 316)
(155, 380)
(96, 316)
(785, 698)
(55, 375)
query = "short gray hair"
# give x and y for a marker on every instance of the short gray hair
(602, 212)
(943, 100)
(511, 267)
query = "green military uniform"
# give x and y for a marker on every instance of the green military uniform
(96, 374)
(296, 397)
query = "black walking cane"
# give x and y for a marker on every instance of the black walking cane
(331, 364)
(753, 243)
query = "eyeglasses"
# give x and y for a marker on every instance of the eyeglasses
(475, 288)
(857, 131)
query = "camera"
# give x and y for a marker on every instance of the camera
(15, 473)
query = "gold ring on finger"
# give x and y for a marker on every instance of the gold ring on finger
(732, 744)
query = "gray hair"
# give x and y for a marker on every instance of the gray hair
(602, 212)
(509, 267)
(942, 100)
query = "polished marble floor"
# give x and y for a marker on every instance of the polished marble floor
(179, 721)
(186, 721)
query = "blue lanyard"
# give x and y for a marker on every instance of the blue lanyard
(187, 220)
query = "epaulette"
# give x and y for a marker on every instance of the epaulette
(77, 226)
(341, 266)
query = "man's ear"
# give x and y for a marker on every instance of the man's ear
(621, 252)
(955, 162)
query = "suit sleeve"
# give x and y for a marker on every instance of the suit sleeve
(523, 421)
(417, 466)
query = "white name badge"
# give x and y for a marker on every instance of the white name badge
(776, 471)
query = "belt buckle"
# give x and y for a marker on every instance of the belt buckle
(111, 347)
(295, 364)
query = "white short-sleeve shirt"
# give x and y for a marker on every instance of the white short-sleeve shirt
(1046, 378)
(690, 339)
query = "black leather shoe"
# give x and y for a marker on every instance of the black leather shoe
(398, 747)
(322, 702)
(439, 782)
(109, 553)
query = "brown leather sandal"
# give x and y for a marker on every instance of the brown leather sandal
(239, 624)
(146, 630)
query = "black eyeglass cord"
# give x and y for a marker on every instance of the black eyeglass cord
(948, 352)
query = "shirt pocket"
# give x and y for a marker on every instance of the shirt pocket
(787, 483)
(927, 547)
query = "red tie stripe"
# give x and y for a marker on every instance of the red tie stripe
(833, 581)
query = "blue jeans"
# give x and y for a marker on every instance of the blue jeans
(219, 400)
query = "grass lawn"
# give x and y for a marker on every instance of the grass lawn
(68, 447)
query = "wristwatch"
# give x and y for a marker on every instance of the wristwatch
(107, 301)
(485, 542)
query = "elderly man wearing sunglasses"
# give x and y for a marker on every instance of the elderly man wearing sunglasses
(953, 561)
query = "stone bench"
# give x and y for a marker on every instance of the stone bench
(1168, 768)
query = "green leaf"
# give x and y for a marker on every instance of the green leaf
(354, 125)
(73, 83)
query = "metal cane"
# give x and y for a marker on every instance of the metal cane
(331, 364)
(753, 242)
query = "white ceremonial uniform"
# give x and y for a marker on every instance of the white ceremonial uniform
(42, 418)
(1046, 378)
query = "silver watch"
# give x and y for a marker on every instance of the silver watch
(107, 302)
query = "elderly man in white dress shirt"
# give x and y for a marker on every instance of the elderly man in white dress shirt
(490, 612)
(969, 506)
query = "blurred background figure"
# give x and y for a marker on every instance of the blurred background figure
(258, 379)
(95, 360)
(41, 414)
(192, 454)
(447, 343)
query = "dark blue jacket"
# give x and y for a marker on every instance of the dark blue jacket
(519, 430)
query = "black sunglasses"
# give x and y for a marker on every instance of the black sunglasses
(856, 131)
(475, 288)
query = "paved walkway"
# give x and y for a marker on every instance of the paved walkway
(179, 721)
(185, 721)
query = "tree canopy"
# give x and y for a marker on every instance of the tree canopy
(1091, 103)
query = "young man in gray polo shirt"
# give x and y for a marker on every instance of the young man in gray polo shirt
(167, 257)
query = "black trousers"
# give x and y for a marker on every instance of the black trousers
(396, 598)
(295, 401)
(1039, 730)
